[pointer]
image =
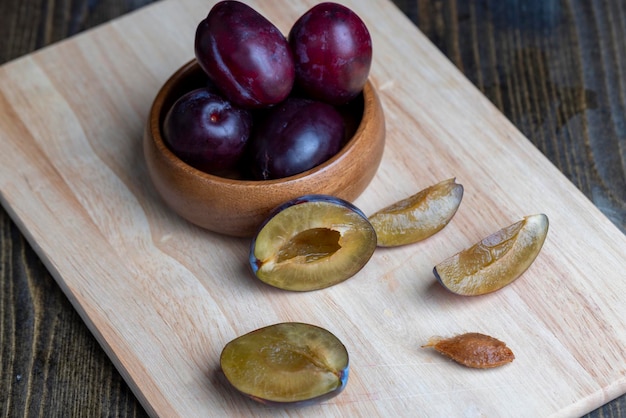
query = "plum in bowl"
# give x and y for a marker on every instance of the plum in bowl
(237, 206)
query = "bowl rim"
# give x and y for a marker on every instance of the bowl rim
(156, 134)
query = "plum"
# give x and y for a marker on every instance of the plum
(246, 56)
(206, 131)
(312, 242)
(290, 363)
(418, 216)
(332, 52)
(495, 261)
(295, 136)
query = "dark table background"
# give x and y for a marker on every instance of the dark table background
(556, 69)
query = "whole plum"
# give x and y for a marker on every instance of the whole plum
(295, 136)
(206, 131)
(248, 57)
(332, 51)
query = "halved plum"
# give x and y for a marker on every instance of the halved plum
(286, 363)
(312, 242)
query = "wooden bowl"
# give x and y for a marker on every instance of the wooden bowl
(237, 207)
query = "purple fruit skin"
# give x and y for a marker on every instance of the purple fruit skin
(295, 136)
(206, 131)
(247, 57)
(332, 50)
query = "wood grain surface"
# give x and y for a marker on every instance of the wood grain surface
(555, 69)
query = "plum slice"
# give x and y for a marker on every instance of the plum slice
(312, 242)
(418, 216)
(286, 363)
(495, 261)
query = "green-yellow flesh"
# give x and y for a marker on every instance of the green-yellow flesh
(313, 245)
(495, 261)
(419, 216)
(287, 362)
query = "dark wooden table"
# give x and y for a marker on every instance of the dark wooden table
(557, 69)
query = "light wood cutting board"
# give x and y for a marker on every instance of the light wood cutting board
(163, 297)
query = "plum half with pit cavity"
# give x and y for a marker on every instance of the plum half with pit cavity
(312, 242)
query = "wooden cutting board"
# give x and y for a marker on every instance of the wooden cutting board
(163, 296)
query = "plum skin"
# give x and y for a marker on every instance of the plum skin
(247, 57)
(206, 131)
(332, 50)
(295, 136)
